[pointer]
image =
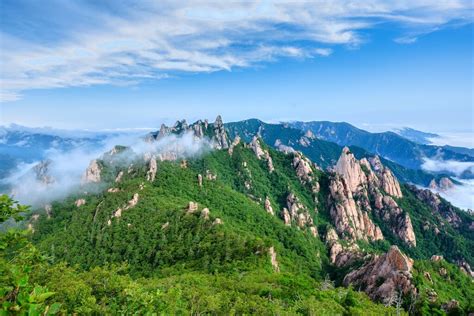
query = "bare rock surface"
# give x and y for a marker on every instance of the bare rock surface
(92, 173)
(383, 275)
(273, 259)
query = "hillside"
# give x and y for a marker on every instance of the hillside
(242, 228)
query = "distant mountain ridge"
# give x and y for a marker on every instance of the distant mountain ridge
(323, 152)
(387, 144)
(416, 136)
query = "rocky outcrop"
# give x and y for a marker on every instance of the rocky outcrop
(283, 148)
(273, 259)
(348, 218)
(285, 214)
(269, 160)
(302, 167)
(42, 172)
(349, 168)
(198, 129)
(234, 143)
(383, 275)
(398, 221)
(465, 268)
(436, 258)
(261, 153)
(192, 207)
(119, 177)
(132, 202)
(210, 176)
(268, 206)
(444, 184)
(220, 135)
(80, 202)
(257, 148)
(388, 181)
(298, 212)
(357, 190)
(92, 173)
(339, 255)
(205, 213)
(152, 169)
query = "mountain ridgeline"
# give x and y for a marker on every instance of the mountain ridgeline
(265, 220)
(394, 147)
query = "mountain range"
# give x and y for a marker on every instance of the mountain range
(247, 218)
(389, 145)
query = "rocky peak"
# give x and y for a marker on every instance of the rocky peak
(198, 129)
(42, 172)
(387, 179)
(349, 168)
(92, 173)
(220, 135)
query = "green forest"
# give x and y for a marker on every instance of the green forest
(161, 257)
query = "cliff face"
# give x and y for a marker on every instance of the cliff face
(349, 219)
(361, 189)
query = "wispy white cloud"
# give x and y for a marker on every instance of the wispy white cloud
(149, 40)
(448, 166)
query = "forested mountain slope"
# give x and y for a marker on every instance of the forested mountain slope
(244, 228)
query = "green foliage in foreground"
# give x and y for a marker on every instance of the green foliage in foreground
(31, 285)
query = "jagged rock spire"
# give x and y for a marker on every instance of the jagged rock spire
(220, 135)
(349, 168)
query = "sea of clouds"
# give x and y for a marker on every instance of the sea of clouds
(460, 195)
(67, 167)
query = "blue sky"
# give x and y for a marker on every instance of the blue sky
(121, 64)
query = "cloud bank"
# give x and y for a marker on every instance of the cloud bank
(122, 43)
(459, 195)
(67, 167)
(448, 166)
